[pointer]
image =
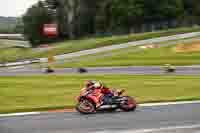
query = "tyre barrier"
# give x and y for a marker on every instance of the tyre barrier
(82, 70)
(49, 70)
(169, 68)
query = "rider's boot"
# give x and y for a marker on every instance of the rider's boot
(98, 105)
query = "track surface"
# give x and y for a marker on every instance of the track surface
(155, 117)
(140, 70)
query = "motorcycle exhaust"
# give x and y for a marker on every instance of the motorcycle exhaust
(108, 106)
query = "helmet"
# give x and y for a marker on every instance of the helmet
(92, 83)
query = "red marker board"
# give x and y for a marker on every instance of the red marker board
(50, 30)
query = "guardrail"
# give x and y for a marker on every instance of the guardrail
(17, 43)
(12, 36)
(20, 63)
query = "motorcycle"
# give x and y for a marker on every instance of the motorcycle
(87, 102)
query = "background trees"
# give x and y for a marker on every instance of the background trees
(34, 20)
(78, 18)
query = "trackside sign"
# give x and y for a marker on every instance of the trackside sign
(50, 30)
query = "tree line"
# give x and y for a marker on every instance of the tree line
(10, 25)
(78, 18)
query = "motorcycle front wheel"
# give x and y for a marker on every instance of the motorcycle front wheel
(86, 107)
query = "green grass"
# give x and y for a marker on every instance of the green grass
(31, 93)
(13, 54)
(78, 45)
(128, 57)
(3, 44)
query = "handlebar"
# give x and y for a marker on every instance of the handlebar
(88, 92)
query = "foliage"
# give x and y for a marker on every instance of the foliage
(78, 18)
(34, 19)
(7, 25)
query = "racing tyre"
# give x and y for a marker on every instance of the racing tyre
(129, 104)
(86, 107)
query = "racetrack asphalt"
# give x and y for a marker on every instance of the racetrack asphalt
(180, 118)
(135, 70)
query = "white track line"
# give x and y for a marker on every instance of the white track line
(162, 129)
(154, 129)
(20, 114)
(140, 105)
(168, 103)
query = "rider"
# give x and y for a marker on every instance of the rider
(108, 93)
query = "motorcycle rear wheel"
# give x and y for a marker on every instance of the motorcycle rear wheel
(129, 105)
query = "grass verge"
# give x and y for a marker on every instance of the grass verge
(36, 93)
(144, 57)
(14, 54)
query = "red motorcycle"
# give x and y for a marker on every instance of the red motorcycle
(88, 100)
